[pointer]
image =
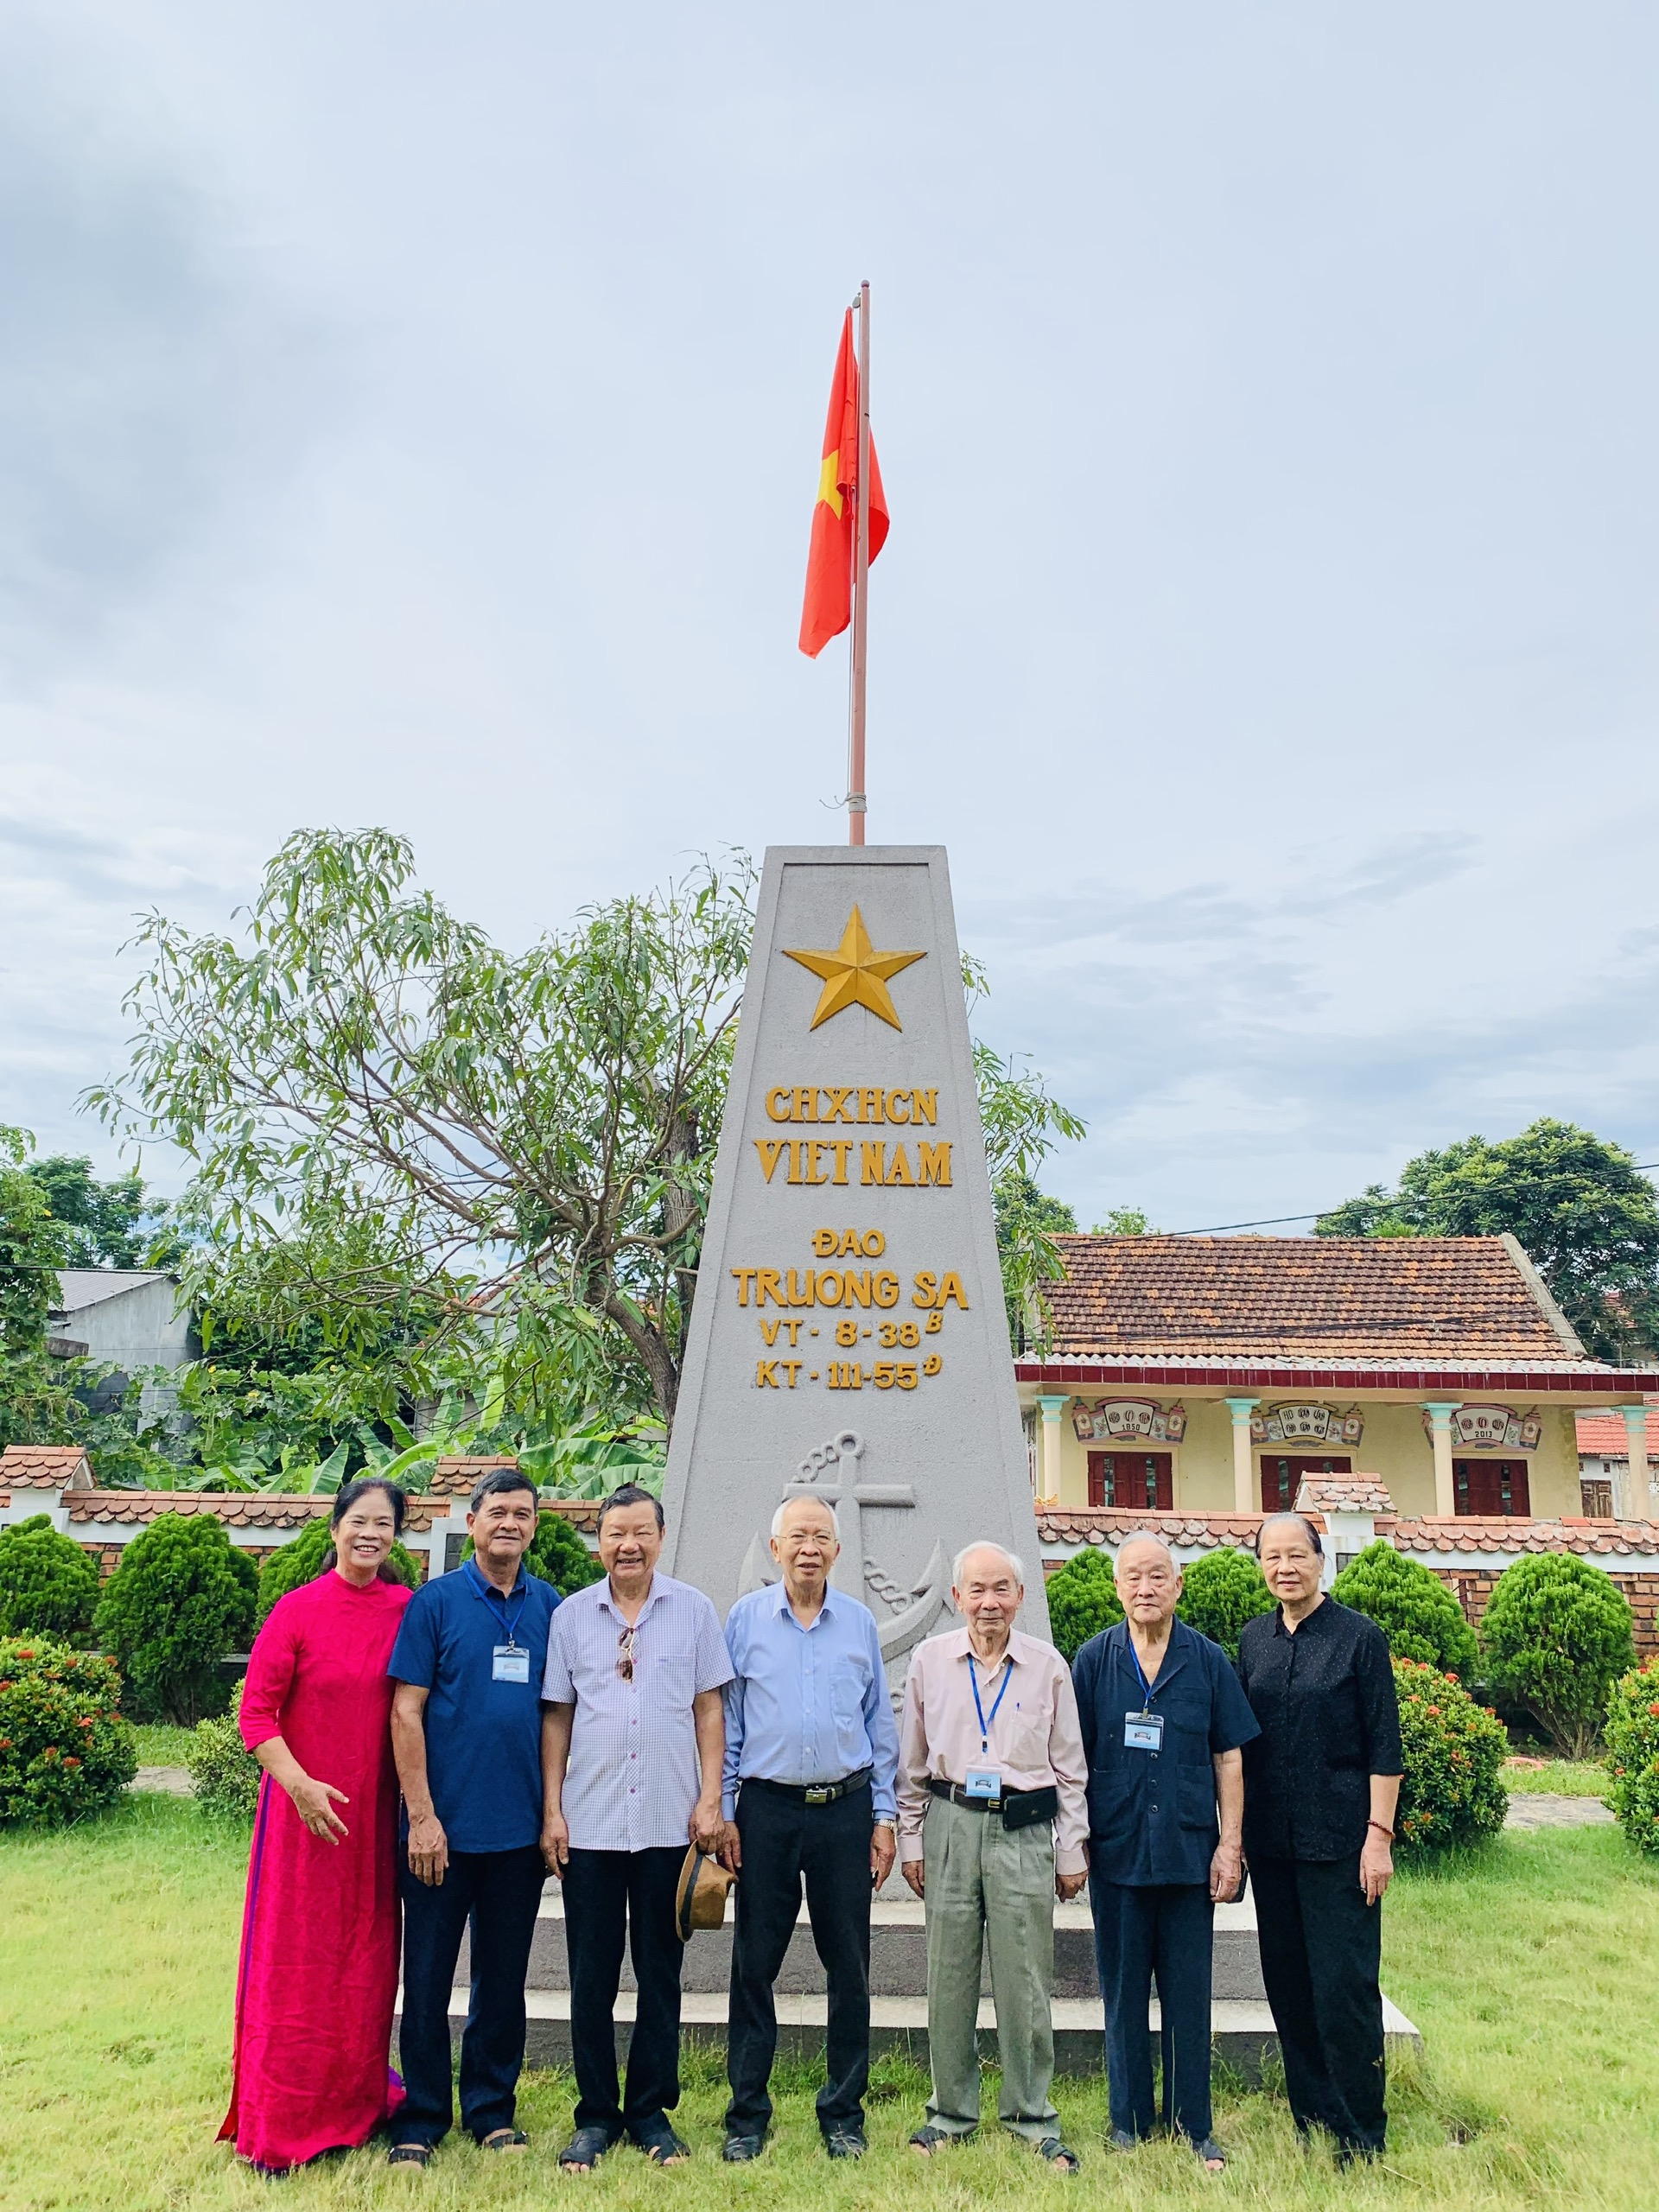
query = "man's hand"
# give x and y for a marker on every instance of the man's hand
(707, 1826)
(429, 1849)
(555, 1843)
(884, 1849)
(311, 1801)
(1375, 1866)
(731, 1848)
(914, 1873)
(1066, 1886)
(1226, 1869)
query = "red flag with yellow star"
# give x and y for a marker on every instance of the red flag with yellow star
(828, 605)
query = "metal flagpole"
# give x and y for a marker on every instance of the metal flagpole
(856, 796)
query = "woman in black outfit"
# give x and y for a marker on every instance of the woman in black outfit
(1321, 1783)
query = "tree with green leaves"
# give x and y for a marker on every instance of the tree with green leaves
(48, 1584)
(1413, 1607)
(438, 1152)
(1577, 1205)
(35, 1408)
(114, 1225)
(181, 1598)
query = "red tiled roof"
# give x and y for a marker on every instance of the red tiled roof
(235, 1509)
(44, 1467)
(1386, 1301)
(1496, 1534)
(1108, 1524)
(456, 1477)
(1344, 1494)
(1604, 1436)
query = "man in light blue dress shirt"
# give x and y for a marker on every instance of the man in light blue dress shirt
(809, 1794)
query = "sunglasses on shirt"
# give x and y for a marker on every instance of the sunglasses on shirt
(625, 1654)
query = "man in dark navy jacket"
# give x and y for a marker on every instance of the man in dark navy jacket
(1163, 1719)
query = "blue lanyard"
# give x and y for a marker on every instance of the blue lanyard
(1148, 1692)
(487, 1590)
(986, 1725)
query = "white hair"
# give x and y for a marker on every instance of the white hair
(985, 1545)
(778, 1517)
(1144, 1536)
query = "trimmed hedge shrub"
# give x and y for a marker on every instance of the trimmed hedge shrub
(300, 1561)
(1413, 1609)
(65, 1751)
(226, 1773)
(557, 1554)
(1220, 1593)
(1557, 1637)
(1633, 1757)
(1453, 1750)
(1082, 1600)
(182, 1597)
(48, 1586)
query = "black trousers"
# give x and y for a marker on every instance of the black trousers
(828, 1846)
(1321, 1952)
(500, 1892)
(1139, 1932)
(608, 1896)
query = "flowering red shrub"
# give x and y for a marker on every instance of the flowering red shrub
(1453, 1749)
(65, 1751)
(1632, 1740)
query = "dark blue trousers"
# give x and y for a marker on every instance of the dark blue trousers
(1167, 1932)
(500, 1892)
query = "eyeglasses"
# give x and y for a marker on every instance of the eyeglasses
(625, 1654)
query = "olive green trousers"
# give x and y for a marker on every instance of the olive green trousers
(984, 1884)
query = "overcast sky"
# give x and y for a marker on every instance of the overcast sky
(410, 414)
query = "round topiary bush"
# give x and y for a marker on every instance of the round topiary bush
(1453, 1750)
(1413, 1609)
(1082, 1600)
(1632, 1740)
(48, 1586)
(559, 1556)
(182, 1597)
(65, 1751)
(1220, 1593)
(1557, 1637)
(226, 1773)
(300, 1558)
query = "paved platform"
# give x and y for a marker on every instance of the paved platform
(1530, 1810)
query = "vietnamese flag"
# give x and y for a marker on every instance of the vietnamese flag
(828, 605)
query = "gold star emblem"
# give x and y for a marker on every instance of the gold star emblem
(855, 974)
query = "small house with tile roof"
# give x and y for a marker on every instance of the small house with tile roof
(1213, 1376)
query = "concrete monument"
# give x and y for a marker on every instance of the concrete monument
(849, 1333)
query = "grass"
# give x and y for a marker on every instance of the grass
(162, 1746)
(1560, 1778)
(1528, 1966)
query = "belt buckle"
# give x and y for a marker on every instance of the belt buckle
(819, 1796)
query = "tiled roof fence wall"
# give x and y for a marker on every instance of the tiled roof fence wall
(45, 1466)
(1430, 1301)
(1467, 1553)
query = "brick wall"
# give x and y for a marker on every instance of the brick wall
(1473, 1592)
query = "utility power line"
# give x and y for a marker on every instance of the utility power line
(1282, 1220)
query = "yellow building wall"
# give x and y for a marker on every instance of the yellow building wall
(1395, 1446)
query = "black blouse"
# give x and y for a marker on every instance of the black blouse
(1330, 1720)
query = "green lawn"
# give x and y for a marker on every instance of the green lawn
(1560, 1778)
(1528, 1967)
(162, 1746)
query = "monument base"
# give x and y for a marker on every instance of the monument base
(1241, 2024)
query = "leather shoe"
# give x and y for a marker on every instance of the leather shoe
(845, 2143)
(741, 2149)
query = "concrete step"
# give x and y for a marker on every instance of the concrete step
(1242, 2029)
(899, 1953)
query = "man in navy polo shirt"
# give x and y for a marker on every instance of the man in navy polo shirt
(466, 1731)
(1163, 1721)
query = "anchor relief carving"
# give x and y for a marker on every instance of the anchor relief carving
(903, 1616)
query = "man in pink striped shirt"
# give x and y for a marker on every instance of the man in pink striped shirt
(993, 1825)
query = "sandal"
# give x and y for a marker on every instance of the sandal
(585, 2150)
(410, 2154)
(1210, 2155)
(927, 2139)
(665, 2150)
(505, 2138)
(1053, 2152)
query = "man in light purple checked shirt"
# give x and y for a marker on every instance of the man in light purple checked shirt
(634, 1740)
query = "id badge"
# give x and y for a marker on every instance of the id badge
(1143, 1732)
(983, 1782)
(512, 1664)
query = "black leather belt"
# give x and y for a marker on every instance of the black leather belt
(810, 1793)
(1021, 1809)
